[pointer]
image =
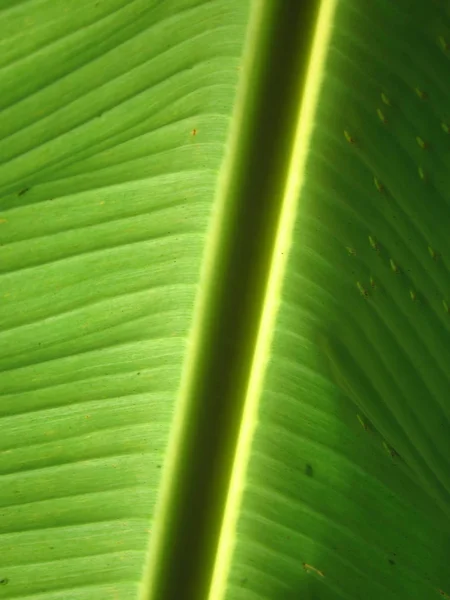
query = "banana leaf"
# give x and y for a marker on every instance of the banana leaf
(224, 299)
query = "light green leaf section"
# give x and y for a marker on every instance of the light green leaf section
(347, 492)
(113, 122)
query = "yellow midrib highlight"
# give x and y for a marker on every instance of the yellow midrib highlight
(294, 183)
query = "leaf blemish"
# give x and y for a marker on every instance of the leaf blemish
(422, 174)
(385, 99)
(378, 185)
(363, 423)
(309, 471)
(390, 450)
(362, 290)
(422, 95)
(421, 143)
(443, 43)
(394, 267)
(309, 569)
(434, 255)
(381, 116)
(349, 138)
(373, 243)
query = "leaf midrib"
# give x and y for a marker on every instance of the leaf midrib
(239, 252)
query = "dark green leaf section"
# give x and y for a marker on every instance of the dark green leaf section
(348, 492)
(396, 334)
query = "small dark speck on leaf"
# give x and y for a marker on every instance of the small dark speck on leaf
(244, 581)
(159, 466)
(391, 562)
(22, 192)
(309, 471)
(4, 581)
